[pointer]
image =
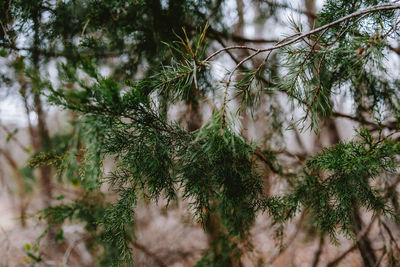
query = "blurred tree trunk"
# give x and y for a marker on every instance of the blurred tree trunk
(330, 133)
(40, 134)
(364, 244)
(239, 31)
(42, 143)
(40, 138)
(20, 184)
(311, 11)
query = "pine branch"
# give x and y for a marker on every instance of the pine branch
(304, 35)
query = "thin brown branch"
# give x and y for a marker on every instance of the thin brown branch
(149, 253)
(232, 56)
(232, 48)
(214, 34)
(229, 81)
(294, 39)
(238, 38)
(388, 125)
(378, 263)
(392, 187)
(298, 138)
(11, 161)
(317, 254)
(12, 137)
(262, 157)
(5, 31)
(20, 182)
(390, 235)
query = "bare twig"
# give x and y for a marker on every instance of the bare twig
(5, 31)
(149, 253)
(12, 136)
(261, 157)
(232, 48)
(380, 258)
(229, 81)
(84, 26)
(304, 35)
(318, 253)
(388, 125)
(390, 235)
(238, 38)
(69, 250)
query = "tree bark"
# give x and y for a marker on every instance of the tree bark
(364, 244)
(20, 184)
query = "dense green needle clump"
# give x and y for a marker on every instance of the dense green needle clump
(337, 181)
(219, 169)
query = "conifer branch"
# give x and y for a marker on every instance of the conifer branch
(124, 116)
(229, 82)
(314, 31)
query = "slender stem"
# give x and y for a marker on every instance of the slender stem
(231, 48)
(389, 125)
(229, 82)
(304, 35)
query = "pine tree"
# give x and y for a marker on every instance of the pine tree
(163, 54)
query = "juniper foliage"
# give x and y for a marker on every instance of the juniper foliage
(124, 116)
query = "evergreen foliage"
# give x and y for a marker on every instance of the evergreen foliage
(338, 179)
(124, 116)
